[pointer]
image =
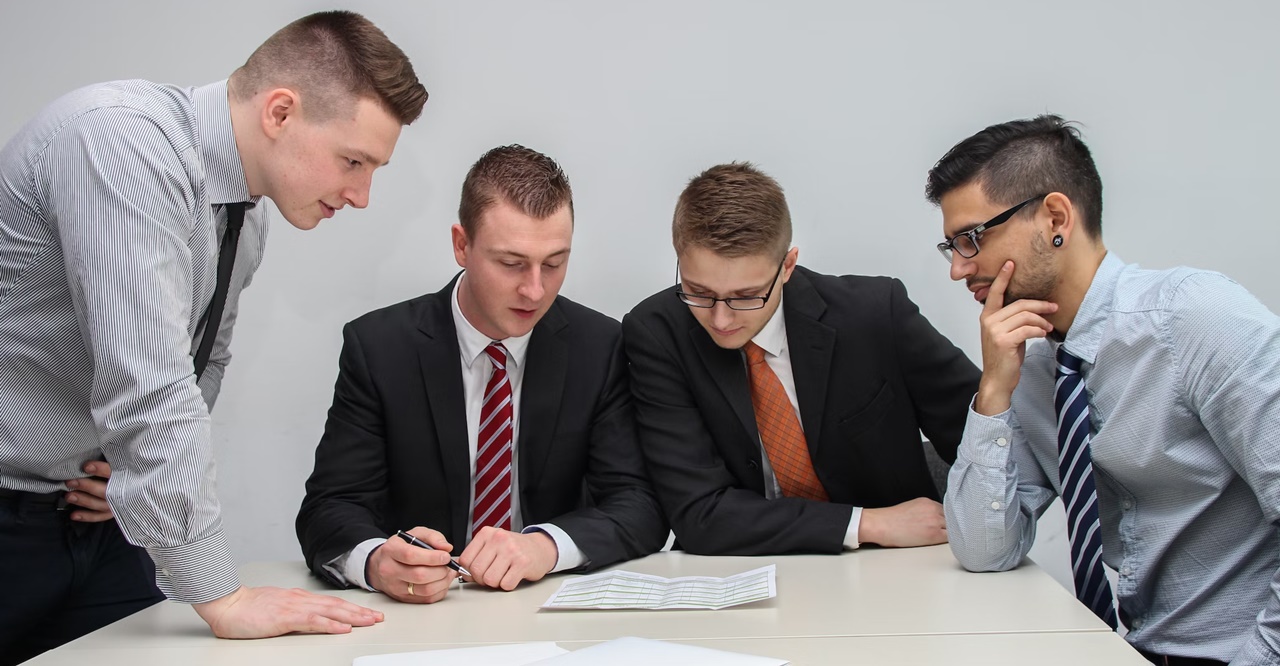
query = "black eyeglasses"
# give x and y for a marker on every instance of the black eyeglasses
(966, 243)
(734, 303)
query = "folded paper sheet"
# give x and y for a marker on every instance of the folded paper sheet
(627, 590)
(644, 652)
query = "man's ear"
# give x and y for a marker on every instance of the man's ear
(1062, 216)
(279, 107)
(460, 244)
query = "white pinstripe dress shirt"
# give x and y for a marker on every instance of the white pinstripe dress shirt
(110, 220)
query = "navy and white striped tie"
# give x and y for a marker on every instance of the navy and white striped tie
(1075, 470)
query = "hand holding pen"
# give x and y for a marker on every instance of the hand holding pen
(411, 572)
(413, 540)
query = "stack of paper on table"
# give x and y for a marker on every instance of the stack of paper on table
(625, 589)
(619, 652)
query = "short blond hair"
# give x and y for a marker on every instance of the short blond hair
(734, 210)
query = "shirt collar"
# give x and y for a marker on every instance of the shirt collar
(1085, 335)
(224, 172)
(472, 343)
(773, 337)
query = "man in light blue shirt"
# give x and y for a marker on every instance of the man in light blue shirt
(1166, 380)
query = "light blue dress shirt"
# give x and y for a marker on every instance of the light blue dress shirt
(1182, 370)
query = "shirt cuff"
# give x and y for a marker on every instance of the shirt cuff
(350, 567)
(198, 572)
(851, 534)
(986, 439)
(568, 556)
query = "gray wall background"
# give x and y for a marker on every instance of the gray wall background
(847, 103)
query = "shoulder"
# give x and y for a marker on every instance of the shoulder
(400, 315)
(585, 319)
(117, 107)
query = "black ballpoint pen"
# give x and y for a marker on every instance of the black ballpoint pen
(415, 541)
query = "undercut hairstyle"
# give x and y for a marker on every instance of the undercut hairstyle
(1017, 160)
(733, 210)
(523, 178)
(332, 59)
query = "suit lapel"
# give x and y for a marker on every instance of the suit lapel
(811, 344)
(729, 373)
(438, 357)
(546, 366)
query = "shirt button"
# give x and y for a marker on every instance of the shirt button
(1125, 570)
(995, 505)
(164, 571)
(1000, 441)
(1127, 504)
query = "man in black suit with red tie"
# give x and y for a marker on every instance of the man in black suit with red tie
(780, 410)
(493, 415)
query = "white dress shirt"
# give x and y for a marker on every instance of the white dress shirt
(773, 340)
(476, 370)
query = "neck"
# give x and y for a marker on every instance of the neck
(243, 117)
(1072, 286)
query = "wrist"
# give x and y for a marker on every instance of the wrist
(991, 400)
(212, 611)
(869, 526)
(547, 546)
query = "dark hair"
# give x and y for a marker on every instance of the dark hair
(332, 59)
(734, 210)
(524, 178)
(1020, 159)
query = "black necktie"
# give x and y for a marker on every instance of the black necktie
(226, 260)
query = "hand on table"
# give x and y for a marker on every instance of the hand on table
(917, 522)
(262, 612)
(501, 559)
(411, 574)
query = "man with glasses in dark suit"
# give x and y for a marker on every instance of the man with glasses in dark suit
(780, 410)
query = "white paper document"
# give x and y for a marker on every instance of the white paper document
(625, 589)
(517, 654)
(645, 652)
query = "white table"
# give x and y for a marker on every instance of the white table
(869, 606)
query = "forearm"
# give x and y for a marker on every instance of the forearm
(991, 514)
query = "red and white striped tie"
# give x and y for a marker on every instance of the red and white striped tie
(493, 457)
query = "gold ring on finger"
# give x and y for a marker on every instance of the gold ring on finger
(411, 589)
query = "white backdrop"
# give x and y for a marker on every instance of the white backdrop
(847, 103)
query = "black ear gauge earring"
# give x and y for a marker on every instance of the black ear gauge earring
(1057, 241)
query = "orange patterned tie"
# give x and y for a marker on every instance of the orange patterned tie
(780, 430)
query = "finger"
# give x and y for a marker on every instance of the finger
(408, 554)
(432, 538)
(91, 516)
(93, 486)
(511, 579)
(98, 468)
(339, 609)
(301, 621)
(1021, 335)
(1026, 305)
(995, 295)
(426, 575)
(480, 565)
(88, 501)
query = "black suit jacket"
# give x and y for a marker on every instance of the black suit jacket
(870, 374)
(395, 455)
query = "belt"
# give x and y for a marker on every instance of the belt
(55, 501)
(1164, 660)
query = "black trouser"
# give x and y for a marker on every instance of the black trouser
(61, 579)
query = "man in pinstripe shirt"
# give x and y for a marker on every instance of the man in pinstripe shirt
(1180, 372)
(113, 201)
